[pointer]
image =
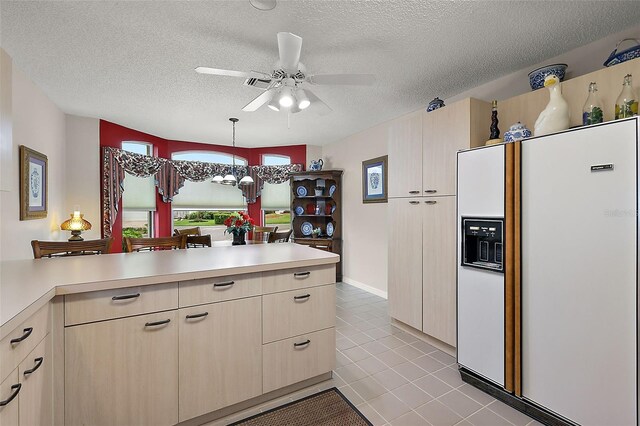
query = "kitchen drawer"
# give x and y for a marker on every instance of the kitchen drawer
(210, 290)
(9, 412)
(291, 279)
(296, 312)
(123, 302)
(292, 360)
(32, 331)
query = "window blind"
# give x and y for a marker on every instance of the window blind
(198, 195)
(276, 196)
(139, 193)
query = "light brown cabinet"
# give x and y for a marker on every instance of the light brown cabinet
(404, 144)
(123, 371)
(439, 268)
(220, 355)
(9, 391)
(405, 260)
(35, 401)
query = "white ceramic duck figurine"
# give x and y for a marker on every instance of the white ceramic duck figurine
(555, 117)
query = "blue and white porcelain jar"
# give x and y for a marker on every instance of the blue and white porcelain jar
(517, 132)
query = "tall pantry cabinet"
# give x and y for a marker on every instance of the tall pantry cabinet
(422, 212)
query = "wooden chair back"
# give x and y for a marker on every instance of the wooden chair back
(70, 248)
(194, 241)
(280, 237)
(261, 233)
(153, 244)
(187, 231)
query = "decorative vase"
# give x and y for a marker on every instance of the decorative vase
(238, 239)
(494, 131)
(627, 102)
(517, 132)
(435, 104)
(316, 165)
(592, 110)
(555, 116)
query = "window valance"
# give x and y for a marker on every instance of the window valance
(170, 175)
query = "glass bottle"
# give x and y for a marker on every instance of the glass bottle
(627, 102)
(592, 110)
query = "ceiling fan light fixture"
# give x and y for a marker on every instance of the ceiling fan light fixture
(217, 179)
(286, 97)
(303, 100)
(274, 104)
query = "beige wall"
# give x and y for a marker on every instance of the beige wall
(39, 124)
(364, 231)
(83, 170)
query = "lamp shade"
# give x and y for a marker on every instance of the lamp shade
(247, 180)
(77, 222)
(229, 180)
(217, 179)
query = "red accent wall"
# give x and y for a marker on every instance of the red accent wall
(113, 135)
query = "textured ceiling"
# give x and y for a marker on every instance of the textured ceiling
(131, 62)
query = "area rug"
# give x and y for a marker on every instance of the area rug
(326, 408)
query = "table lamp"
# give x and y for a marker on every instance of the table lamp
(76, 224)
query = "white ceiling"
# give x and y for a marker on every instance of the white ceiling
(131, 62)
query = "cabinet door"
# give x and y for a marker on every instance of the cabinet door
(123, 371)
(220, 355)
(9, 412)
(405, 156)
(405, 261)
(439, 268)
(36, 376)
(445, 131)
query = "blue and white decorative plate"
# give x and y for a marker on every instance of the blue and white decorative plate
(333, 209)
(329, 229)
(332, 189)
(299, 210)
(301, 191)
(306, 228)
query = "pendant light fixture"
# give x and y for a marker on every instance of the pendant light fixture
(230, 178)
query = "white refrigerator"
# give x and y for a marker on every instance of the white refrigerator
(574, 353)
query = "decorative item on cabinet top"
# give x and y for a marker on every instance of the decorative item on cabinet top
(592, 109)
(494, 131)
(517, 132)
(316, 165)
(374, 180)
(625, 55)
(627, 102)
(555, 116)
(435, 104)
(537, 76)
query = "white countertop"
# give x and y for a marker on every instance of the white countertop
(24, 283)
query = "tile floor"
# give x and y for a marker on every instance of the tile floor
(393, 378)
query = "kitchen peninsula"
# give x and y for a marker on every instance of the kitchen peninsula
(163, 337)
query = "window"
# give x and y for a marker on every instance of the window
(207, 204)
(276, 198)
(139, 197)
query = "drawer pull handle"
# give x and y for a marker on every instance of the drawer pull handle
(302, 274)
(430, 191)
(157, 323)
(16, 391)
(305, 343)
(303, 298)
(26, 333)
(414, 192)
(414, 202)
(430, 202)
(39, 362)
(194, 316)
(224, 284)
(126, 296)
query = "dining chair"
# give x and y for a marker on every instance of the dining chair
(261, 233)
(194, 237)
(154, 244)
(280, 237)
(70, 248)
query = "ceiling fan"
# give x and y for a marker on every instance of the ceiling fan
(284, 83)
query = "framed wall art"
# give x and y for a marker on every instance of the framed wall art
(33, 184)
(374, 180)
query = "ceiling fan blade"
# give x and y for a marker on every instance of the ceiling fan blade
(344, 79)
(262, 99)
(317, 104)
(289, 46)
(229, 73)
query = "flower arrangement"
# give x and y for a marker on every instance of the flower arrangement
(316, 232)
(238, 223)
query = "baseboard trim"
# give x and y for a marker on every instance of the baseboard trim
(365, 287)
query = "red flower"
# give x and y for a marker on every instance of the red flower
(251, 221)
(239, 223)
(228, 221)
